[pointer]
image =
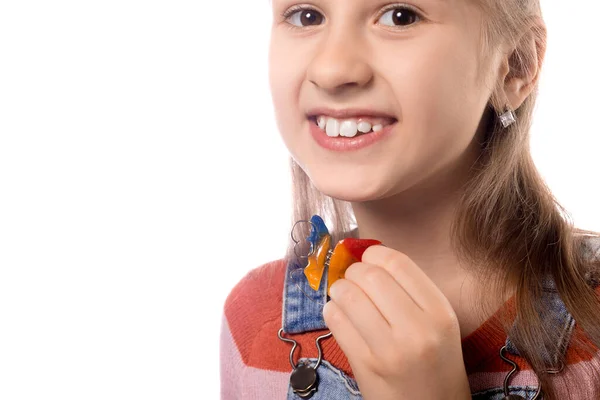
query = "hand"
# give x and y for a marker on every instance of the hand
(397, 329)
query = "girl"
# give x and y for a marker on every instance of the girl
(408, 123)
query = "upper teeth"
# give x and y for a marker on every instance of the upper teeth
(347, 128)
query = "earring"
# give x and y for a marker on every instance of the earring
(508, 118)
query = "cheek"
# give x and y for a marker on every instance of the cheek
(285, 105)
(285, 75)
(437, 91)
(288, 116)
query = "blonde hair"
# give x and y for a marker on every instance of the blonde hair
(507, 222)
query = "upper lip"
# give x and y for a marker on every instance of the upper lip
(348, 113)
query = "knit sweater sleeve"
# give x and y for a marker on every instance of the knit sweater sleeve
(231, 364)
(253, 305)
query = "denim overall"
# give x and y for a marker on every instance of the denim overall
(303, 312)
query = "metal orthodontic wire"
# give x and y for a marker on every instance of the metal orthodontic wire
(296, 242)
(312, 251)
(279, 333)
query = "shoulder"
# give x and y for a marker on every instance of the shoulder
(255, 301)
(581, 348)
(589, 246)
(257, 290)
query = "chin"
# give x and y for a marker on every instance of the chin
(349, 188)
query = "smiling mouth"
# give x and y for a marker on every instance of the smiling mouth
(351, 127)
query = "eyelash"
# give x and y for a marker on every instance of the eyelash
(295, 9)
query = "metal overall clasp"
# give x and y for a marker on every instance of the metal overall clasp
(508, 396)
(304, 379)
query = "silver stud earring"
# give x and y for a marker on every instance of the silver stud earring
(508, 118)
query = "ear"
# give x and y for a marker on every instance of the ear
(520, 67)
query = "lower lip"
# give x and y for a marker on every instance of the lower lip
(341, 143)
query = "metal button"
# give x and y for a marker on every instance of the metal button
(303, 378)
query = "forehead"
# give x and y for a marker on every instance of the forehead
(435, 10)
(372, 2)
(368, 4)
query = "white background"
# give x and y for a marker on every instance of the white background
(136, 139)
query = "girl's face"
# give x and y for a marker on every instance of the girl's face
(416, 61)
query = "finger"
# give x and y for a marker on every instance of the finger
(408, 275)
(392, 301)
(361, 313)
(346, 336)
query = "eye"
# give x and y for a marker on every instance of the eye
(400, 16)
(300, 16)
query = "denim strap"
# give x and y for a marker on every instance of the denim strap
(303, 310)
(302, 306)
(555, 318)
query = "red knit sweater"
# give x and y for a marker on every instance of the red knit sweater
(255, 363)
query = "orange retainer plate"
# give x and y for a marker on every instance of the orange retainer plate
(346, 252)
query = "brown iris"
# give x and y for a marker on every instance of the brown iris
(403, 17)
(308, 17)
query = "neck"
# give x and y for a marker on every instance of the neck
(418, 226)
(417, 223)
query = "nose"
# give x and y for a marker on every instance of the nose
(339, 62)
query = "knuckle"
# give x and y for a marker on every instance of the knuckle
(385, 256)
(395, 268)
(344, 292)
(396, 261)
(392, 363)
(429, 347)
(354, 270)
(331, 314)
(448, 323)
(392, 257)
(373, 363)
(373, 275)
